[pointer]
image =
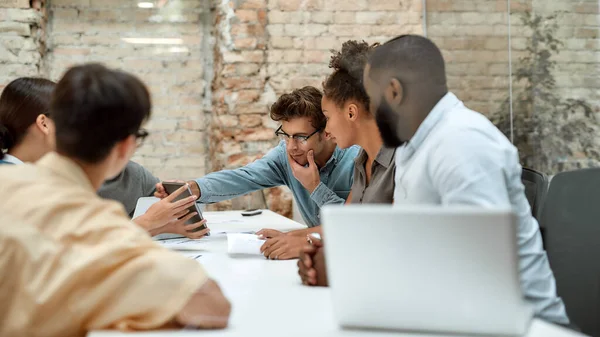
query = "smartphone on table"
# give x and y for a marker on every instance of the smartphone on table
(171, 187)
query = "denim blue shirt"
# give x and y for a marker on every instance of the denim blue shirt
(458, 157)
(274, 170)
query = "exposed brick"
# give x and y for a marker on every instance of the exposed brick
(470, 18)
(241, 83)
(17, 43)
(245, 43)
(95, 40)
(246, 15)
(276, 30)
(325, 42)
(254, 134)
(344, 17)
(227, 121)
(316, 56)
(305, 29)
(15, 3)
(190, 124)
(247, 96)
(585, 33)
(304, 43)
(389, 30)
(243, 56)
(229, 147)
(349, 30)
(346, 5)
(16, 28)
(376, 18)
(179, 137)
(496, 43)
(282, 42)
(250, 121)
(72, 51)
(252, 4)
(276, 16)
(70, 3)
(241, 69)
(298, 5)
(293, 56)
(19, 15)
(322, 17)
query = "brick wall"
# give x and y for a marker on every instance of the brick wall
(214, 67)
(473, 36)
(302, 33)
(577, 71)
(22, 35)
(265, 48)
(168, 48)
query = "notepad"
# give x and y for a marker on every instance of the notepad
(249, 244)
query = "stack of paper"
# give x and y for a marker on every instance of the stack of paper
(238, 243)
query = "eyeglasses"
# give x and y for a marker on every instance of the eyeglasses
(140, 136)
(300, 139)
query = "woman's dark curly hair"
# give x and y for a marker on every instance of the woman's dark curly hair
(346, 81)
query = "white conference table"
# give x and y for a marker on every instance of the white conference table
(268, 299)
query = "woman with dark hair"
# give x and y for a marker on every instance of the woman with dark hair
(26, 131)
(345, 104)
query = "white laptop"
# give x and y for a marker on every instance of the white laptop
(425, 268)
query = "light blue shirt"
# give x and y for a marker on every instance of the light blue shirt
(458, 157)
(274, 170)
(10, 159)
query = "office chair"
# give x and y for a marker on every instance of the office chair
(571, 217)
(536, 188)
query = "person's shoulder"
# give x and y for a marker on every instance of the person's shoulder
(135, 169)
(16, 174)
(351, 152)
(464, 127)
(96, 214)
(279, 152)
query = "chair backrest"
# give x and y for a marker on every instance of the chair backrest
(571, 216)
(536, 188)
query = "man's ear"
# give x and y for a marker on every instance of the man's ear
(126, 147)
(394, 92)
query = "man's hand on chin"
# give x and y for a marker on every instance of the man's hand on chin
(309, 175)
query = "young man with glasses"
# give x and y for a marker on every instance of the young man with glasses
(307, 160)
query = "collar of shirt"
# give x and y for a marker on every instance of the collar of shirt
(12, 159)
(385, 157)
(65, 168)
(330, 164)
(448, 102)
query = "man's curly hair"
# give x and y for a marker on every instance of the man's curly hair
(346, 81)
